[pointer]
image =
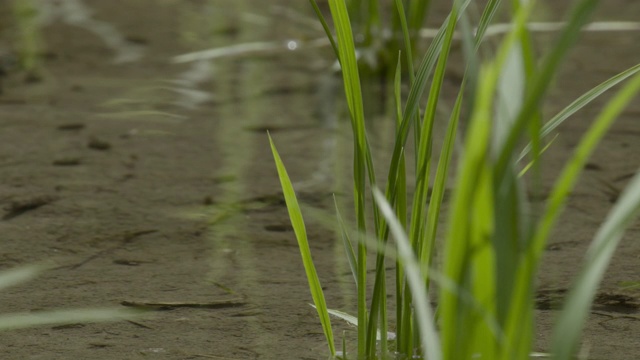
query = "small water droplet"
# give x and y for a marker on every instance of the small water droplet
(292, 45)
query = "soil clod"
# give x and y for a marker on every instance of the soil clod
(21, 206)
(97, 144)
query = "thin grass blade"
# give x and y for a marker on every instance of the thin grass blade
(580, 298)
(361, 157)
(326, 28)
(439, 185)
(295, 215)
(426, 135)
(561, 190)
(408, 46)
(567, 332)
(581, 102)
(578, 17)
(575, 165)
(428, 334)
(486, 18)
(415, 93)
(348, 245)
(542, 151)
(453, 311)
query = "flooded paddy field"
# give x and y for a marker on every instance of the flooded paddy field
(135, 162)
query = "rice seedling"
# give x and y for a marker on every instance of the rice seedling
(493, 242)
(378, 37)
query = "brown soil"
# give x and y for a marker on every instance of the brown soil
(139, 194)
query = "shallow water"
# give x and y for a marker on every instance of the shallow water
(183, 205)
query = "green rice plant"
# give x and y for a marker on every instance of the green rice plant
(18, 321)
(379, 38)
(492, 245)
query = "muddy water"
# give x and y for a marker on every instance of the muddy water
(145, 147)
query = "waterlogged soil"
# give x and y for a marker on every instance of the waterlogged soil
(145, 180)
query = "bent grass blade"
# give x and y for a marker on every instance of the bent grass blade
(295, 215)
(535, 93)
(576, 309)
(572, 319)
(325, 26)
(581, 102)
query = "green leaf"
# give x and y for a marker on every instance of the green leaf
(428, 333)
(325, 26)
(572, 319)
(295, 215)
(577, 18)
(581, 102)
(439, 184)
(348, 245)
(361, 155)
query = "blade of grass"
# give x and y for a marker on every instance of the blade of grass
(575, 165)
(577, 18)
(411, 106)
(453, 311)
(560, 192)
(295, 215)
(426, 135)
(486, 18)
(353, 92)
(581, 102)
(530, 164)
(352, 320)
(439, 185)
(459, 320)
(348, 245)
(325, 26)
(512, 227)
(576, 310)
(428, 333)
(400, 205)
(408, 46)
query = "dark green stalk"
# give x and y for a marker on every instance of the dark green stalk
(325, 26)
(406, 36)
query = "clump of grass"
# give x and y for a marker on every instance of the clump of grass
(492, 244)
(378, 37)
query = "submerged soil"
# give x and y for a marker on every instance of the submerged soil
(146, 180)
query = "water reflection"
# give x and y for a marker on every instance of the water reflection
(259, 83)
(76, 13)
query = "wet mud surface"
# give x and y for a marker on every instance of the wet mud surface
(145, 180)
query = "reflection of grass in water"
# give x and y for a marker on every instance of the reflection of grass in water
(29, 38)
(493, 245)
(18, 321)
